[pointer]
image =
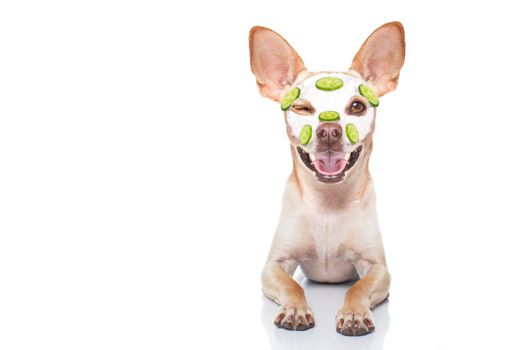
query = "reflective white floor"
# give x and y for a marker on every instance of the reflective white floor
(324, 300)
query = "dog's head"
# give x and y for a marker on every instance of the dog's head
(329, 115)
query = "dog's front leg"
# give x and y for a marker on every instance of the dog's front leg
(279, 286)
(355, 317)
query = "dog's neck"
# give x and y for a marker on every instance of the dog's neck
(336, 196)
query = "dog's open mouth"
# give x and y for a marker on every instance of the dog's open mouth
(330, 167)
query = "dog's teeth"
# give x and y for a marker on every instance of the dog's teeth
(347, 156)
(312, 157)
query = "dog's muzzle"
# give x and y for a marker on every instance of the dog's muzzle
(329, 166)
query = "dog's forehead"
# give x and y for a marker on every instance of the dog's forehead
(329, 99)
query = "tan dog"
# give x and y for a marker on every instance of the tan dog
(328, 224)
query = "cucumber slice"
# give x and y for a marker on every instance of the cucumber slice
(352, 133)
(306, 134)
(369, 94)
(290, 96)
(328, 116)
(329, 84)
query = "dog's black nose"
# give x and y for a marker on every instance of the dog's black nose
(329, 133)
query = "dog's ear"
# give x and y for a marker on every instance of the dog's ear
(273, 61)
(381, 57)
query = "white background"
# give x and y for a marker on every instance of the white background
(141, 174)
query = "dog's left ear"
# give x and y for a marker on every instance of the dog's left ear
(381, 57)
(274, 62)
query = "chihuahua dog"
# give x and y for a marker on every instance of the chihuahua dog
(328, 224)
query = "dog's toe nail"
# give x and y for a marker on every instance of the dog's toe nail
(369, 323)
(310, 318)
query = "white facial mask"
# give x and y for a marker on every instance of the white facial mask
(336, 101)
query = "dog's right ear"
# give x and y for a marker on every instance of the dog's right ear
(273, 61)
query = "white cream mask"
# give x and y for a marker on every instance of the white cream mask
(330, 94)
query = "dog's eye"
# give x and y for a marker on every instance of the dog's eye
(356, 108)
(303, 107)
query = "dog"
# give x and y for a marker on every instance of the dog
(328, 224)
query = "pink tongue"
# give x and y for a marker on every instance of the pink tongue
(329, 163)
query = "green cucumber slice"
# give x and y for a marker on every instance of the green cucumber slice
(328, 116)
(329, 84)
(306, 134)
(369, 94)
(352, 133)
(290, 97)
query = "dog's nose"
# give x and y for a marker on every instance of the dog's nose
(329, 133)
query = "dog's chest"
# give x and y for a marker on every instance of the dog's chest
(330, 254)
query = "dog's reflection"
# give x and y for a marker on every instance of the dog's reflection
(325, 300)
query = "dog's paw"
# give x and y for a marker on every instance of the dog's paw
(354, 321)
(297, 318)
